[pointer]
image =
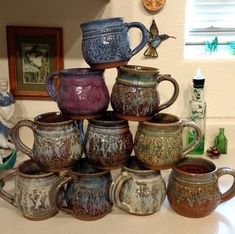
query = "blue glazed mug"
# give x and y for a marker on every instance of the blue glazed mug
(86, 193)
(106, 44)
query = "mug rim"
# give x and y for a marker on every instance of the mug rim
(136, 69)
(195, 161)
(101, 20)
(80, 71)
(28, 163)
(53, 113)
(154, 121)
(99, 172)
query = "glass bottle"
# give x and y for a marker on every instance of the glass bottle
(221, 141)
(197, 112)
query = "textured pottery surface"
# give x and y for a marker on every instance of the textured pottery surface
(32, 186)
(135, 94)
(138, 191)
(57, 141)
(108, 141)
(193, 189)
(105, 42)
(86, 196)
(82, 92)
(158, 143)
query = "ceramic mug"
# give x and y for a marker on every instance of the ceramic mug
(135, 94)
(158, 143)
(86, 196)
(138, 190)
(32, 186)
(57, 141)
(108, 141)
(81, 94)
(105, 42)
(193, 188)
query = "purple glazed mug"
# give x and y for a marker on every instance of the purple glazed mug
(81, 94)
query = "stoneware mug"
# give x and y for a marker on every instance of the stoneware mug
(138, 190)
(193, 188)
(158, 143)
(108, 141)
(105, 42)
(57, 141)
(32, 186)
(87, 192)
(135, 94)
(81, 93)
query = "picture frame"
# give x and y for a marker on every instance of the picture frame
(33, 53)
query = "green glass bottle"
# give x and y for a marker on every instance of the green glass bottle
(221, 141)
(197, 112)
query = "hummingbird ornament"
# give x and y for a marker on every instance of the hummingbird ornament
(155, 40)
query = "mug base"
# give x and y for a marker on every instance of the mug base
(108, 64)
(40, 218)
(91, 217)
(133, 117)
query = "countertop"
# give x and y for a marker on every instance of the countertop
(165, 221)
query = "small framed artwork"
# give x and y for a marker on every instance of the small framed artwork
(33, 53)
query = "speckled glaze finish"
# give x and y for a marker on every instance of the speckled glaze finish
(105, 42)
(57, 141)
(193, 188)
(138, 190)
(108, 141)
(32, 186)
(82, 92)
(135, 93)
(158, 143)
(86, 196)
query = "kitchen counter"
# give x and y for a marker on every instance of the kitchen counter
(165, 221)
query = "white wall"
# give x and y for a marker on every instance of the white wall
(220, 75)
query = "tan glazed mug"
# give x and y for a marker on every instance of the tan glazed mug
(32, 186)
(57, 141)
(193, 188)
(158, 143)
(138, 190)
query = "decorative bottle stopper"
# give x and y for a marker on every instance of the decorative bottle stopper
(221, 141)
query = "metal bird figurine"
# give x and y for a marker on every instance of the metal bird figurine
(155, 40)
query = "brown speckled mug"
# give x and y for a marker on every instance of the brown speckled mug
(193, 188)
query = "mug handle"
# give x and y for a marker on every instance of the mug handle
(196, 141)
(230, 193)
(14, 133)
(144, 32)
(53, 194)
(3, 194)
(167, 77)
(49, 82)
(115, 189)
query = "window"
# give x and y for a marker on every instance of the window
(210, 29)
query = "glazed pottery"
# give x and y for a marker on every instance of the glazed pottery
(135, 93)
(108, 141)
(193, 188)
(138, 190)
(106, 44)
(32, 186)
(86, 196)
(9, 161)
(81, 94)
(57, 141)
(158, 143)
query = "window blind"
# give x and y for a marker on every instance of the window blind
(206, 19)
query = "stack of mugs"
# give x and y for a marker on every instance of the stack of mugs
(59, 177)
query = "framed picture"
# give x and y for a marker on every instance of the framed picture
(33, 53)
